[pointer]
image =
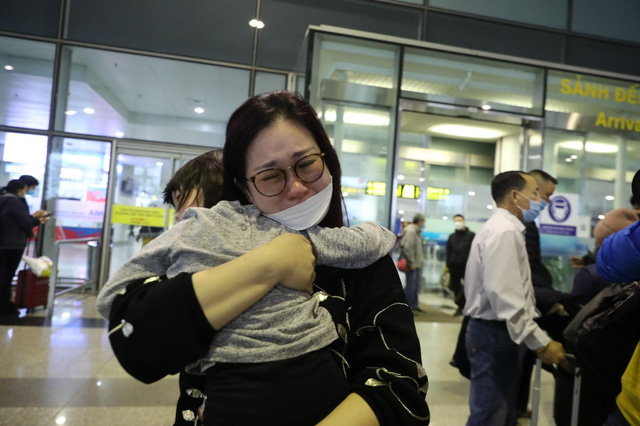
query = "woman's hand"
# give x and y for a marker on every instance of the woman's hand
(293, 255)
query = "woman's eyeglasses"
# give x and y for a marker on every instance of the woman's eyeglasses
(271, 182)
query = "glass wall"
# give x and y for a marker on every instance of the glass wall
(26, 78)
(353, 85)
(461, 119)
(463, 80)
(268, 81)
(592, 146)
(546, 13)
(138, 97)
(77, 177)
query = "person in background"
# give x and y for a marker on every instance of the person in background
(458, 247)
(501, 303)
(31, 183)
(16, 226)
(548, 300)
(618, 261)
(411, 249)
(587, 282)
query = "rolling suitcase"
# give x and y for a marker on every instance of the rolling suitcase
(31, 290)
(535, 403)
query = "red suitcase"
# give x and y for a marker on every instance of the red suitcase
(31, 290)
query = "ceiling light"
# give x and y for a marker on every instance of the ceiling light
(400, 211)
(61, 420)
(568, 160)
(71, 112)
(400, 177)
(600, 216)
(421, 179)
(98, 383)
(574, 157)
(489, 206)
(471, 193)
(255, 23)
(444, 218)
(119, 134)
(345, 194)
(466, 131)
(159, 164)
(89, 110)
(609, 198)
(199, 110)
(594, 147)
(486, 107)
(8, 68)
(363, 118)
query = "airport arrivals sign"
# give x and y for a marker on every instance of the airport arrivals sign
(618, 95)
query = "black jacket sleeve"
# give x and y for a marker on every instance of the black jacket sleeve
(158, 327)
(382, 346)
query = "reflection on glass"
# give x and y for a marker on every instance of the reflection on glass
(131, 96)
(26, 76)
(482, 83)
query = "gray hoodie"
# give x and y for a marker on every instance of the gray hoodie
(285, 323)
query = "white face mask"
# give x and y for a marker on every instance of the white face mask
(458, 225)
(308, 213)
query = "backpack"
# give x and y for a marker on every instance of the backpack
(604, 334)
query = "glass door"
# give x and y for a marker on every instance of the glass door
(136, 211)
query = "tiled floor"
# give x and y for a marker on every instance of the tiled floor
(68, 371)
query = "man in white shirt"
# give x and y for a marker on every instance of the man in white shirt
(501, 304)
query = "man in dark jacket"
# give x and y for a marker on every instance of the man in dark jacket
(549, 301)
(458, 247)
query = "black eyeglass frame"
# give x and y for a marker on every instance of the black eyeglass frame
(252, 179)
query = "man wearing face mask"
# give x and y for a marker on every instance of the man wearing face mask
(458, 247)
(501, 303)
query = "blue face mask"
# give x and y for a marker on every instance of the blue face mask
(543, 204)
(532, 213)
(31, 192)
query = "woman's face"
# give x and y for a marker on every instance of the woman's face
(281, 145)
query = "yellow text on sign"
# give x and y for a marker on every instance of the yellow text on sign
(143, 216)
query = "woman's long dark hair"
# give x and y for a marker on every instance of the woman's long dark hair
(258, 113)
(13, 187)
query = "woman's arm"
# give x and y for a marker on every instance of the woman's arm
(224, 292)
(353, 411)
(177, 317)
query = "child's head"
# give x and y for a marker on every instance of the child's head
(196, 184)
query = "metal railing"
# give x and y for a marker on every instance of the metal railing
(67, 283)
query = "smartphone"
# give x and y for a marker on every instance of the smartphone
(47, 214)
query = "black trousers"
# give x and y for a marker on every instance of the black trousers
(455, 285)
(9, 261)
(297, 392)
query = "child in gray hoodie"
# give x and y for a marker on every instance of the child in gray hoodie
(285, 323)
